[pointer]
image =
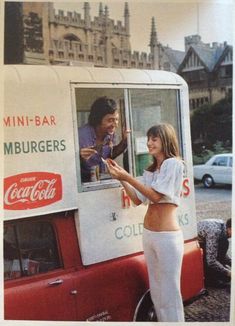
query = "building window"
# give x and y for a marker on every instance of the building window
(61, 54)
(95, 38)
(71, 56)
(228, 71)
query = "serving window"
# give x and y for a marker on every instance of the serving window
(150, 107)
(137, 110)
(101, 124)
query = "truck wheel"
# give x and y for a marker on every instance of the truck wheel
(208, 181)
(145, 310)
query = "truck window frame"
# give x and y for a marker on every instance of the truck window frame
(126, 88)
(32, 250)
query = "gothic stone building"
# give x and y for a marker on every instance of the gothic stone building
(207, 70)
(35, 33)
(47, 36)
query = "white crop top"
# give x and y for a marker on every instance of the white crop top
(168, 181)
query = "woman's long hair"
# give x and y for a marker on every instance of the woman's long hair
(170, 146)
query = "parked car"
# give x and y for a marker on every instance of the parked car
(218, 169)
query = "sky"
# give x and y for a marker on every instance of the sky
(175, 19)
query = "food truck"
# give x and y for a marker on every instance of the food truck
(73, 249)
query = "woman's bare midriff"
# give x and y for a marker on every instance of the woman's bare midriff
(161, 217)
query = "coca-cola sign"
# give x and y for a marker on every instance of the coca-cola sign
(31, 190)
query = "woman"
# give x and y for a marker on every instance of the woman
(160, 186)
(97, 138)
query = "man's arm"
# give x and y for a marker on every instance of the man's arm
(212, 253)
(119, 148)
(227, 260)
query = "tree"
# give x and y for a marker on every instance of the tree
(211, 124)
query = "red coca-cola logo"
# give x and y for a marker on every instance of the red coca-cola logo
(31, 190)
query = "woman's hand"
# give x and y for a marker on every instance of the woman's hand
(87, 153)
(116, 171)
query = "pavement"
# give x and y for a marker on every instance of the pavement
(211, 307)
(213, 203)
(220, 209)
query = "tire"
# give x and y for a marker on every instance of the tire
(145, 310)
(208, 181)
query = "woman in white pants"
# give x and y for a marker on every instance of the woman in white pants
(160, 187)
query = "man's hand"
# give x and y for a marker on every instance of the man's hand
(125, 132)
(87, 152)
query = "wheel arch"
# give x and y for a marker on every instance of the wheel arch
(145, 309)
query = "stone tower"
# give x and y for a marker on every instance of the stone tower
(127, 19)
(154, 46)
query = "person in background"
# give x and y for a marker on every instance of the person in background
(163, 243)
(97, 139)
(213, 235)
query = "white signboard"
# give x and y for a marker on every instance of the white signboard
(110, 226)
(39, 155)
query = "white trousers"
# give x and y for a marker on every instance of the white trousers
(164, 253)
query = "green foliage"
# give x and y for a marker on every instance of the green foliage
(219, 148)
(202, 157)
(206, 154)
(211, 128)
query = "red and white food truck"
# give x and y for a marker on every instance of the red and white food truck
(73, 249)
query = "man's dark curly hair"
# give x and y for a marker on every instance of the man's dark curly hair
(101, 107)
(228, 223)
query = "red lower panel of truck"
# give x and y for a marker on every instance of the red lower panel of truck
(107, 291)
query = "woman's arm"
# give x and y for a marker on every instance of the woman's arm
(148, 192)
(131, 193)
(117, 172)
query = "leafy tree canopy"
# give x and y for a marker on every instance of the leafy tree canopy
(211, 124)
